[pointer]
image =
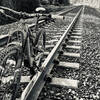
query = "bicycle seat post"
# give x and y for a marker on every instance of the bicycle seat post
(36, 26)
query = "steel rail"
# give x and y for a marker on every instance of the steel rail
(35, 86)
(63, 12)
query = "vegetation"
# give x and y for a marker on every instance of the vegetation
(30, 5)
(55, 2)
(20, 5)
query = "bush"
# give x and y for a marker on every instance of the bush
(21, 5)
(44, 2)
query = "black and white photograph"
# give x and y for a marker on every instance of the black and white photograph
(49, 49)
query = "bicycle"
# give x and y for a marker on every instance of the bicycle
(22, 47)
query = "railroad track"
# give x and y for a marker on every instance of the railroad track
(53, 46)
(63, 12)
(71, 39)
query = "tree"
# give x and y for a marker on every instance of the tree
(21, 5)
(51, 2)
(44, 2)
(64, 2)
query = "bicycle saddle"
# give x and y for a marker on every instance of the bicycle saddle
(40, 9)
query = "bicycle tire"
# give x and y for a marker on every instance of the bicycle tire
(10, 51)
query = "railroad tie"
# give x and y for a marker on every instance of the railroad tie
(65, 82)
(78, 29)
(67, 47)
(72, 47)
(52, 33)
(71, 54)
(52, 41)
(58, 36)
(79, 26)
(68, 65)
(18, 98)
(66, 54)
(76, 33)
(24, 79)
(78, 37)
(62, 31)
(46, 53)
(59, 33)
(49, 46)
(75, 41)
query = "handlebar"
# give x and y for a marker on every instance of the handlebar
(21, 15)
(15, 15)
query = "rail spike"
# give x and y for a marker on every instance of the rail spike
(64, 44)
(61, 52)
(48, 78)
(56, 61)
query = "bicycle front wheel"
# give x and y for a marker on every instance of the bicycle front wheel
(9, 59)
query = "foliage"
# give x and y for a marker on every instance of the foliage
(21, 5)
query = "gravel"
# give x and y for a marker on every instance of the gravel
(90, 60)
(91, 11)
(69, 59)
(58, 93)
(68, 73)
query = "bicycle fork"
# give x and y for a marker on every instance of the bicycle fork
(29, 52)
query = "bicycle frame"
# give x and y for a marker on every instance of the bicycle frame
(27, 42)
